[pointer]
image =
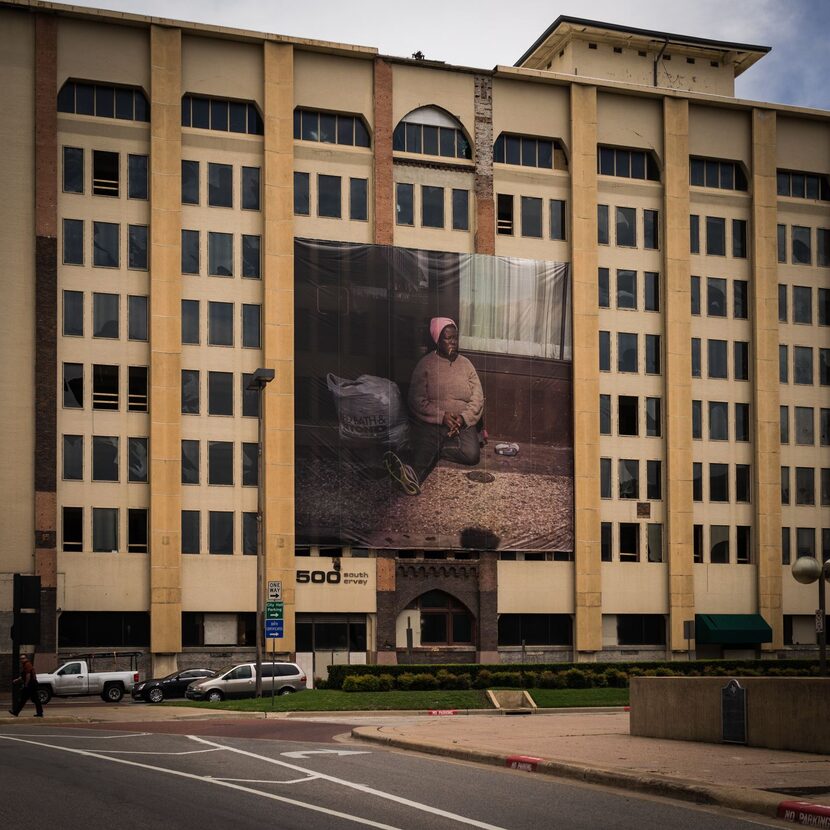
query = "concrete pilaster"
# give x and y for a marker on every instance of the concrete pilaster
(384, 188)
(485, 229)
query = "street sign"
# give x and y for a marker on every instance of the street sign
(274, 589)
(819, 621)
(274, 629)
(273, 610)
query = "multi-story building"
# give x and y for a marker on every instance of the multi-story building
(186, 203)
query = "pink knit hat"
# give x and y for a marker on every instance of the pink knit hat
(437, 325)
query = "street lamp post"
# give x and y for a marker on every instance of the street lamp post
(259, 380)
(806, 570)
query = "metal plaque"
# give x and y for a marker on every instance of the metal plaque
(274, 630)
(733, 713)
(273, 610)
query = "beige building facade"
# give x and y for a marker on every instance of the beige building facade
(157, 174)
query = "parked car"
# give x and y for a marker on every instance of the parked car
(174, 685)
(77, 676)
(240, 681)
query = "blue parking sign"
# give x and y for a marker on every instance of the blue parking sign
(274, 629)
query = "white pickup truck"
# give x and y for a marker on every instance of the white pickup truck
(78, 677)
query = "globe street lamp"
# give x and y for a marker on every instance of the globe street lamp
(259, 380)
(806, 570)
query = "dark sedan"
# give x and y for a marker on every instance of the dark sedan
(174, 685)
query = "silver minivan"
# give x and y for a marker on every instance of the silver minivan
(240, 681)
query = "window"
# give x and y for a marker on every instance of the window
(249, 534)
(136, 530)
(220, 393)
(717, 358)
(504, 217)
(431, 131)
(73, 170)
(105, 529)
(824, 306)
(250, 399)
(654, 535)
(557, 219)
(782, 243)
(190, 391)
(802, 304)
(629, 542)
(697, 419)
(605, 478)
(824, 367)
(220, 532)
(725, 175)
(137, 389)
(220, 324)
(652, 354)
(250, 469)
(328, 196)
(73, 242)
(330, 128)
(605, 351)
(605, 542)
(73, 385)
(137, 247)
(641, 629)
(697, 543)
(444, 620)
(190, 462)
(529, 152)
(653, 418)
(626, 289)
(605, 414)
(104, 387)
(190, 182)
(697, 481)
(718, 482)
(694, 234)
(824, 427)
(302, 197)
(191, 542)
(783, 365)
(73, 457)
(805, 485)
(627, 420)
(190, 321)
(740, 352)
(460, 209)
(221, 114)
(695, 295)
(603, 289)
(531, 217)
(190, 252)
(652, 293)
(136, 317)
(220, 254)
(786, 554)
(105, 178)
(718, 421)
(801, 185)
(628, 164)
(785, 485)
(629, 478)
(782, 304)
(358, 200)
(802, 365)
(805, 541)
(739, 238)
(220, 462)
(73, 314)
(432, 206)
(104, 458)
(602, 224)
(250, 188)
(822, 247)
(740, 300)
(784, 432)
(654, 480)
(651, 229)
(801, 249)
(627, 352)
(405, 204)
(251, 261)
(103, 101)
(696, 370)
(804, 421)
(742, 482)
(626, 227)
(105, 252)
(825, 486)
(138, 461)
(73, 528)
(742, 422)
(719, 545)
(715, 236)
(716, 297)
(251, 326)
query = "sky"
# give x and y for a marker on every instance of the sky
(796, 71)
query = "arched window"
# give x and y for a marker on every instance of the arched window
(432, 132)
(330, 128)
(103, 101)
(444, 620)
(221, 115)
(530, 151)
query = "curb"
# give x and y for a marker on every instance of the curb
(735, 798)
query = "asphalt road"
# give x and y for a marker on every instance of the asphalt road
(225, 773)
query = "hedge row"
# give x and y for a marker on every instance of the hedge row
(550, 675)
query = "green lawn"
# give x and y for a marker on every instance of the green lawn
(562, 698)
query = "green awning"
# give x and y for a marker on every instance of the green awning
(732, 629)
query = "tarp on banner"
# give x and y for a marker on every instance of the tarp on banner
(433, 399)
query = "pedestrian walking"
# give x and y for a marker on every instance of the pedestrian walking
(28, 682)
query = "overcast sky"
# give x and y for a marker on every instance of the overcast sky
(489, 32)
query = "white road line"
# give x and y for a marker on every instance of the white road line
(352, 785)
(217, 782)
(159, 754)
(84, 737)
(265, 781)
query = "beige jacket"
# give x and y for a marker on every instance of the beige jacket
(439, 387)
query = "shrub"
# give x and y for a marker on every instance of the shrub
(321, 683)
(576, 679)
(446, 680)
(386, 683)
(530, 679)
(483, 679)
(463, 681)
(510, 679)
(551, 680)
(405, 681)
(615, 678)
(663, 672)
(424, 682)
(599, 680)
(361, 683)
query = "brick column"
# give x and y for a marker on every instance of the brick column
(384, 211)
(46, 331)
(488, 617)
(677, 397)
(485, 232)
(587, 580)
(165, 347)
(765, 405)
(386, 592)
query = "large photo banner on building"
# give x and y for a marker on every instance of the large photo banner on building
(433, 400)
